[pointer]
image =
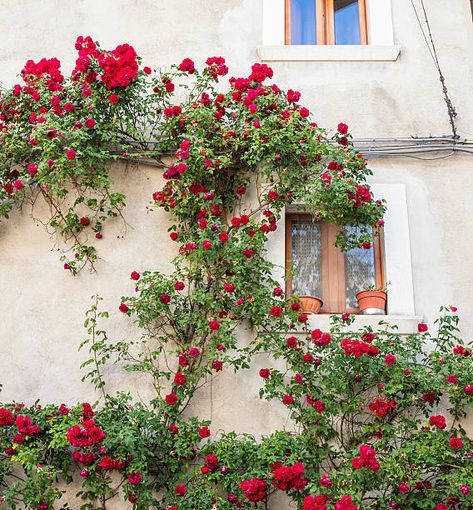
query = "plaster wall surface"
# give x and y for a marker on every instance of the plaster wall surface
(43, 307)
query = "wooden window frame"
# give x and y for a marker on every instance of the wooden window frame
(325, 22)
(333, 265)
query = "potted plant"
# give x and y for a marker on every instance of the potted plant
(372, 301)
(311, 304)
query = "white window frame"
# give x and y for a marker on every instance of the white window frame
(380, 45)
(397, 253)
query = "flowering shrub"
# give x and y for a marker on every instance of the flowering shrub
(371, 431)
(59, 134)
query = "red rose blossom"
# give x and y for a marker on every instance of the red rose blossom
(204, 432)
(422, 328)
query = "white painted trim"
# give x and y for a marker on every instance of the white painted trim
(326, 53)
(273, 22)
(406, 324)
(380, 22)
(398, 265)
(380, 37)
(397, 244)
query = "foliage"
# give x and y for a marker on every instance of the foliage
(367, 429)
(58, 136)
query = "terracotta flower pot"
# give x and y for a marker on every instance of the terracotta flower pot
(372, 302)
(311, 304)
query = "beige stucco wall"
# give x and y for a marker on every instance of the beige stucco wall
(42, 307)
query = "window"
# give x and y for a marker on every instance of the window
(316, 267)
(339, 22)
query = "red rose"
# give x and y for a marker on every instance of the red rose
(456, 443)
(147, 70)
(180, 379)
(248, 253)
(390, 359)
(171, 399)
(293, 96)
(422, 328)
(304, 112)
(71, 154)
(135, 478)
(438, 421)
(174, 235)
(217, 365)
(113, 98)
(8, 187)
(288, 400)
(204, 432)
(135, 276)
(223, 236)
(165, 298)
(180, 490)
(18, 438)
(133, 498)
(275, 311)
(18, 185)
(206, 244)
(429, 397)
(6, 417)
(325, 481)
(63, 410)
(89, 123)
(214, 325)
(123, 308)
(179, 286)
(265, 373)
(291, 342)
(32, 169)
(84, 221)
(342, 128)
(254, 489)
(229, 287)
(187, 65)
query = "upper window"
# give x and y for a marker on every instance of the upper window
(316, 267)
(325, 22)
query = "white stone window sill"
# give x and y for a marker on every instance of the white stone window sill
(328, 53)
(406, 324)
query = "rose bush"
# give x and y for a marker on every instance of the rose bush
(368, 425)
(58, 136)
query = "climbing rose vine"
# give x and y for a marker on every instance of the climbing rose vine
(375, 419)
(58, 136)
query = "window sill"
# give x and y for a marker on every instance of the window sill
(326, 53)
(406, 324)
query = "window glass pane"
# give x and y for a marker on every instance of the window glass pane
(303, 22)
(359, 272)
(306, 258)
(347, 22)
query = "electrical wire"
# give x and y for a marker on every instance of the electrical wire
(452, 114)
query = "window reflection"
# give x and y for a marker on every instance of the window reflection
(359, 272)
(306, 258)
(347, 24)
(303, 22)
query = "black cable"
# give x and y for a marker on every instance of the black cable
(433, 53)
